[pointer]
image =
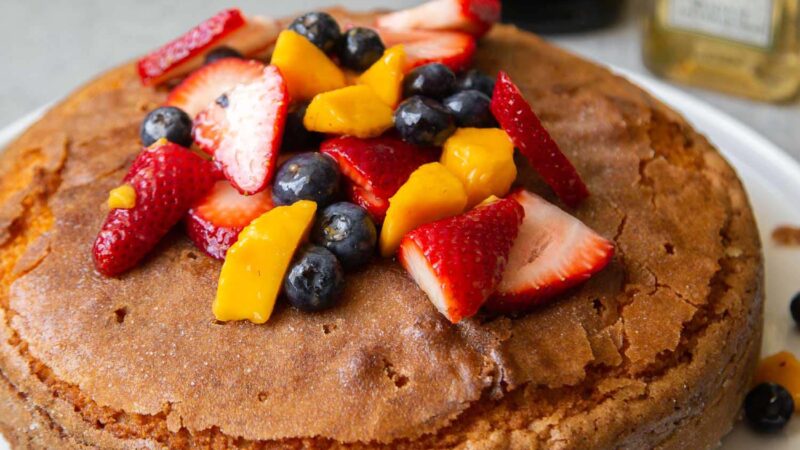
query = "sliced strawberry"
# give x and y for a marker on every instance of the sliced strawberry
(243, 130)
(459, 261)
(526, 131)
(214, 223)
(376, 168)
(470, 16)
(168, 179)
(553, 252)
(230, 28)
(451, 48)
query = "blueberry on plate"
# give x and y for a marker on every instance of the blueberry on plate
(307, 176)
(794, 307)
(360, 48)
(768, 407)
(475, 80)
(346, 230)
(222, 53)
(314, 279)
(295, 135)
(166, 122)
(423, 121)
(470, 108)
(434, 80)
(320, 28)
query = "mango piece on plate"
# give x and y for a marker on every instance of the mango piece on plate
(784, 369)
(122, 197)
(385, 76)
(355, 110)
(307, 70)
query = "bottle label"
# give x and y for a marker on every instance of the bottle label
(747, 21)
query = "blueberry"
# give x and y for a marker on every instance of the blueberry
(314, 279)
(222, 53)
(433, 80)
(295, 135)
(423, 121)
(347, 231)
(795, 308)
(768, 407)
(319, 28)
(307, 176)
(478, 81)
(167, 122)
(470, 109)
(360, 48)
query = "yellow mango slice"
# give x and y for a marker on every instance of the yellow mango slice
(385, 76)
(784, 369)
(354, 110)
(431, 193)
(483, 159)
(307, 70)
(254, 267)
(122, 197)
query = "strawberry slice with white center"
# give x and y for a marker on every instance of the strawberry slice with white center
(459, 261)
(471, 16)
(250, 36)
(451, 48)
(243, 128)
(214, 223)
(553, 252)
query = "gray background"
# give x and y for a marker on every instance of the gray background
(49, 47)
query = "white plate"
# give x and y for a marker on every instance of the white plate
(772, 179)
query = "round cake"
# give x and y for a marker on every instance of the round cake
(655, 351)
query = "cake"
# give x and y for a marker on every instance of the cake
(655, 351)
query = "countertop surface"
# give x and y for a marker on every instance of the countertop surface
(53, 46)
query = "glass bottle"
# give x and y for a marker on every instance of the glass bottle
(561, 16)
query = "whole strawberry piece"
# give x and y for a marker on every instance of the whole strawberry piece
(471, 16)
(459, 261)
(376, 168)
(526, 131)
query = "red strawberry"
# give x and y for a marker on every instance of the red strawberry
(553, 252)
(243, 130)
(459, 261)
(376, 168)
(229, 28)
(168, 179)
(214, 223)
(471, 16)
(451, 48)
(526, 131)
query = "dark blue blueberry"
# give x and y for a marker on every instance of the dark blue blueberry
(320, 28)
(434, 80)
(347, 231)
(360, 48)
(314, 280)
(768, 407)
(474, 80)
(295, 135)
(794, 307)
(222, 53)
(307, 176)
(423, 121)
(470, 109)
(167, 122)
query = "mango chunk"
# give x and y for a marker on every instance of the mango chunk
(431, 193)
(307, 70)
(354, 110)
(255, 265)
(385, 76)
(122, 197)
(784, 369)
(483, 159)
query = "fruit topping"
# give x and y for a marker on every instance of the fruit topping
(315, 279)
(320, 28)
(434, 80)
(483, 159)
(794, 308)
(346, 230)
(254, 267)
(122, 197)
(475, 80)
(360, 48)
(781, 368)
(167, 180)
(430, 193)
(553, 252)
(470, 108)
(308, 71)
(471, 16)
(453, 49)
(354, 110)
(222, 53)
(307, 176)
(167, 122)
(214, 223)
(243, 129)
(295, 135)
(423, 121)
(768, 407)
(386, 75)
(526, 131)
(458, 261)
(376, 168)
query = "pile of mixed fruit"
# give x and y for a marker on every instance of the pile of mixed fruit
(374, 141)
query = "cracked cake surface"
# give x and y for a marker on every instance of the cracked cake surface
(654, 351)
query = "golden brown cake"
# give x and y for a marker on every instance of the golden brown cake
(656, 351)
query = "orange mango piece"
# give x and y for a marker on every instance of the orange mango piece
(354, 110)
(385, 76)
(784, 369)
(307, 70)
